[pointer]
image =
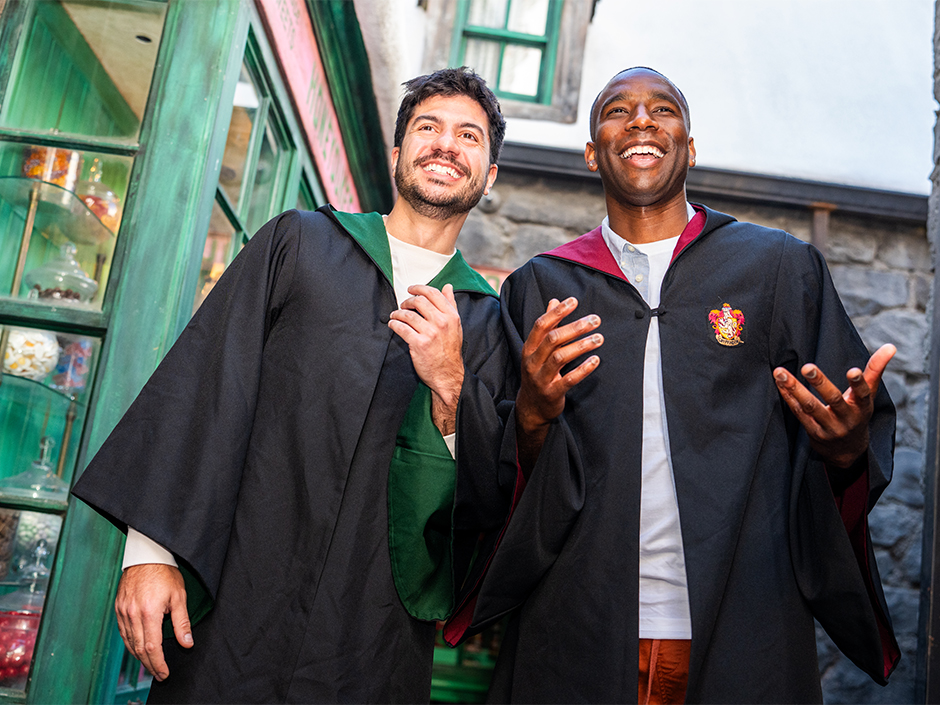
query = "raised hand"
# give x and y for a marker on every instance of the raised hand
(430, 323)
(543, 387)
(837, 422)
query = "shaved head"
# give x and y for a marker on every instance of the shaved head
(596, 105)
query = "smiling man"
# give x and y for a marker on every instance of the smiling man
(287, 477)
(691, 505)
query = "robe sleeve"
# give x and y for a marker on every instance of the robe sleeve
(172, 466)
(537, 522)
(830, 544)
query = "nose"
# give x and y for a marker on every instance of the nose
(641, 119)
(446, 142)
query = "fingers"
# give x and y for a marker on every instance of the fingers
(800, 400)
(876, 367)
(182, 628)
(145, 594)
(427, 300)
(151, 648)
(577, 375)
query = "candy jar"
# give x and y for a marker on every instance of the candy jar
(61, 280)
(40, 481)
(74, 363)
(56, 166)
(30, 353)
(99, 198)
(20, 612)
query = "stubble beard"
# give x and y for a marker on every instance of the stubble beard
(441, 207)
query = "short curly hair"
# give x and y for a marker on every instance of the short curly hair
(448, 82)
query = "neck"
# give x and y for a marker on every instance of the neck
(407, 225)
(642, 224)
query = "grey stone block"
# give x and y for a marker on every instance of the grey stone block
(579, 211)
(482, 240)
(921, 286)
(909, 563)
(867, 291)
(891, 522)
(906, 485)
(907, 330)
(905, 252)
(530, 240)
(854, 247)
(896, 385)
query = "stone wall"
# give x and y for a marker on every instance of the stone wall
(882, 270)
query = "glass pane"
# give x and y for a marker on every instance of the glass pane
(28, 543)
(520, 72)
(263, 191)
(43, 399)
(94, 61)
(528, 16)
(483, 57)
(216, 254)
(305, 199)
(487, 13)
(73, 201)
(244, 112)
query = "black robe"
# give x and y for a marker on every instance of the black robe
(258, 454)
(766, 549)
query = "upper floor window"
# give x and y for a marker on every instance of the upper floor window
(511, 43)
(529, 51)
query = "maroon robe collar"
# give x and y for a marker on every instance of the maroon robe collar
(592, 251)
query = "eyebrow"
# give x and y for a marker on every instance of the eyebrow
(654, 95)
(437, 121)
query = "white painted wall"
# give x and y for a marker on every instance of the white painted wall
(831, 90)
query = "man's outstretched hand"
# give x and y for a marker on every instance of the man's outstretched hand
(146, 593)
(543, 387)
(837, 422)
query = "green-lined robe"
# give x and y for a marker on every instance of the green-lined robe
(259, 454)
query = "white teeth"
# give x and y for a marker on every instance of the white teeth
(441, 169)
(643, 149)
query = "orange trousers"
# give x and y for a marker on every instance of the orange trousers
(664, 671)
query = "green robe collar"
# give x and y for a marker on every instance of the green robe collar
(368, 229)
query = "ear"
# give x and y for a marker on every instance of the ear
(590, 156)
(395, 152)
(691, 152)
(490, 178)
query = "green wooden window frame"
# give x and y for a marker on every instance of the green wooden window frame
(547, 43)
(268, 120)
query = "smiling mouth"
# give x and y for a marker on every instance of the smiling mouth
(441, 169)
(643, 152)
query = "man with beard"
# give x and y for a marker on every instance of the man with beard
(691, 507)
(307, 472)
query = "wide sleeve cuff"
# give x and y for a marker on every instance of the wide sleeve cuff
(140, 549)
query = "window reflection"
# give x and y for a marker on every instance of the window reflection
(215, 255)
(244, 113)
(94, 61)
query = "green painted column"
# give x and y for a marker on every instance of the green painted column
(169, 206)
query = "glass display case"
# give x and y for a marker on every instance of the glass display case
(74, 90)
(60, 212)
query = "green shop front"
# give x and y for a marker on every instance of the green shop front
(142, 142)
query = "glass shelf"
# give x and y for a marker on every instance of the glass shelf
(59, 212)
(27, 385)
